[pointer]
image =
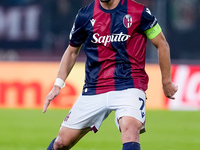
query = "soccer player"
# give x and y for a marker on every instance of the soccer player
(114, 33)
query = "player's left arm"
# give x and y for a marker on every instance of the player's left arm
(163, 48)
(153, 31)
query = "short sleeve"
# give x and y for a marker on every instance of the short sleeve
(78, 34)
(147, 19)
(149, 24)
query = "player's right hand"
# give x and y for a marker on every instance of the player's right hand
(52, 94)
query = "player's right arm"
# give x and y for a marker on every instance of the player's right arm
(77, 37)
(67, 62)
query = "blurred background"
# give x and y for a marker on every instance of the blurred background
(39, 30)
(33, 37)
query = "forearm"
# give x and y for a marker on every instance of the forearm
(67, 62)
(163, 57)
(164, 62)
(165, 65)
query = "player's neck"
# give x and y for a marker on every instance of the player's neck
(110, 5)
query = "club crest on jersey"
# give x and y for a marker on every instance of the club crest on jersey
(127, 21)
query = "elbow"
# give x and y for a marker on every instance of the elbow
(166, 45)
(163, 45)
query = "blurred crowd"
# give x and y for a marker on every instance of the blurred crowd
(39, 30)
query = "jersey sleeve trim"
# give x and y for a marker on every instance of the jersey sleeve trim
(153, 32)
(74, 45)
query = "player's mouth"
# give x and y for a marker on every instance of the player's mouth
(105, 1)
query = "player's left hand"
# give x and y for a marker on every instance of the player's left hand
(170, 89)
(52, 94)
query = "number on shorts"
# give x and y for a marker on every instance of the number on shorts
(142, 106)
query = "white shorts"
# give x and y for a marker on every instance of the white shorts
(90, 111)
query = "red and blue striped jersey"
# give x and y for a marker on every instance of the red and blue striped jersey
(115, 45)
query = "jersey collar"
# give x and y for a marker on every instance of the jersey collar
(110, 10)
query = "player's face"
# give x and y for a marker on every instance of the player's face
(105, 1)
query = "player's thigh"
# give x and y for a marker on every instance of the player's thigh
(130, 110)
(68, 137)
(129, 123)
(130, 128)
(88, 111)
